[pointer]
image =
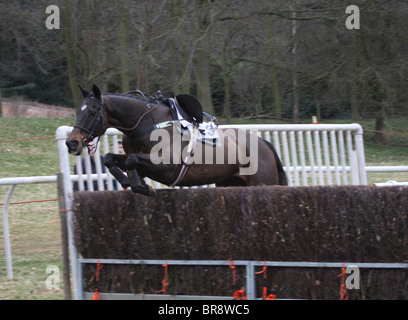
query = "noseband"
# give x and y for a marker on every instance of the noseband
(95, 123)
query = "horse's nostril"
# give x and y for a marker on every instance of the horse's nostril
(71, 144)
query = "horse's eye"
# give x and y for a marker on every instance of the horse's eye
(92, 113)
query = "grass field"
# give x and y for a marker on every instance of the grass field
(35, 228)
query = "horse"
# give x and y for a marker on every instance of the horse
(155, 146)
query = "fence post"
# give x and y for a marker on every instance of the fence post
(250, 280)
(6, 233)
(61, 135)
(359, 143)
(64, 236)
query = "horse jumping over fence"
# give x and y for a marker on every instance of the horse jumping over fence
(175, 152)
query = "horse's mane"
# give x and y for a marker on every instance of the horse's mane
(149, 98)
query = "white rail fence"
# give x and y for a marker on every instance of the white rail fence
(13, 182)
(317, 154)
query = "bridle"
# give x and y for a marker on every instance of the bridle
(95, 123)
(100, 117)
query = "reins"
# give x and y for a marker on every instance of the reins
(140, 119)
(149, 111)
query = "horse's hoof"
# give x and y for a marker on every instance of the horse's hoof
(150, 192)
(125, 185)
(137, 189)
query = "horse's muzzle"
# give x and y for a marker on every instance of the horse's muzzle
(74, 147)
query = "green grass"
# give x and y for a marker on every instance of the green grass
(35, 228)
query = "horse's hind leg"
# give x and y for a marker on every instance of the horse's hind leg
(116, 165)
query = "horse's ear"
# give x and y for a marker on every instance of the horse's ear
(83, 91)
(96, 91)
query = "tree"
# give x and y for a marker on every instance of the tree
(70, 54)
(293, 51)
(289, 59)
(123, 34)
(377, 61)
(181, 48)
(202, 66)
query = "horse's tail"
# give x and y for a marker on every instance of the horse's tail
(283, 179)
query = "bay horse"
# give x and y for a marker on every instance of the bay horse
(139, 119)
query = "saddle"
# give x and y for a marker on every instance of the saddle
(191, 106)
(207, 131)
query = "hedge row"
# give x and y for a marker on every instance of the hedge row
(330, 224)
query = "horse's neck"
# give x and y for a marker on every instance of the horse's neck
(131, 114)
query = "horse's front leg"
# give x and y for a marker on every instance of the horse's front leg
(137, 184)
(116, 165)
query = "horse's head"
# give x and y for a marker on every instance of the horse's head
(90, 121)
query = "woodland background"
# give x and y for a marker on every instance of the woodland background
(280, 59)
